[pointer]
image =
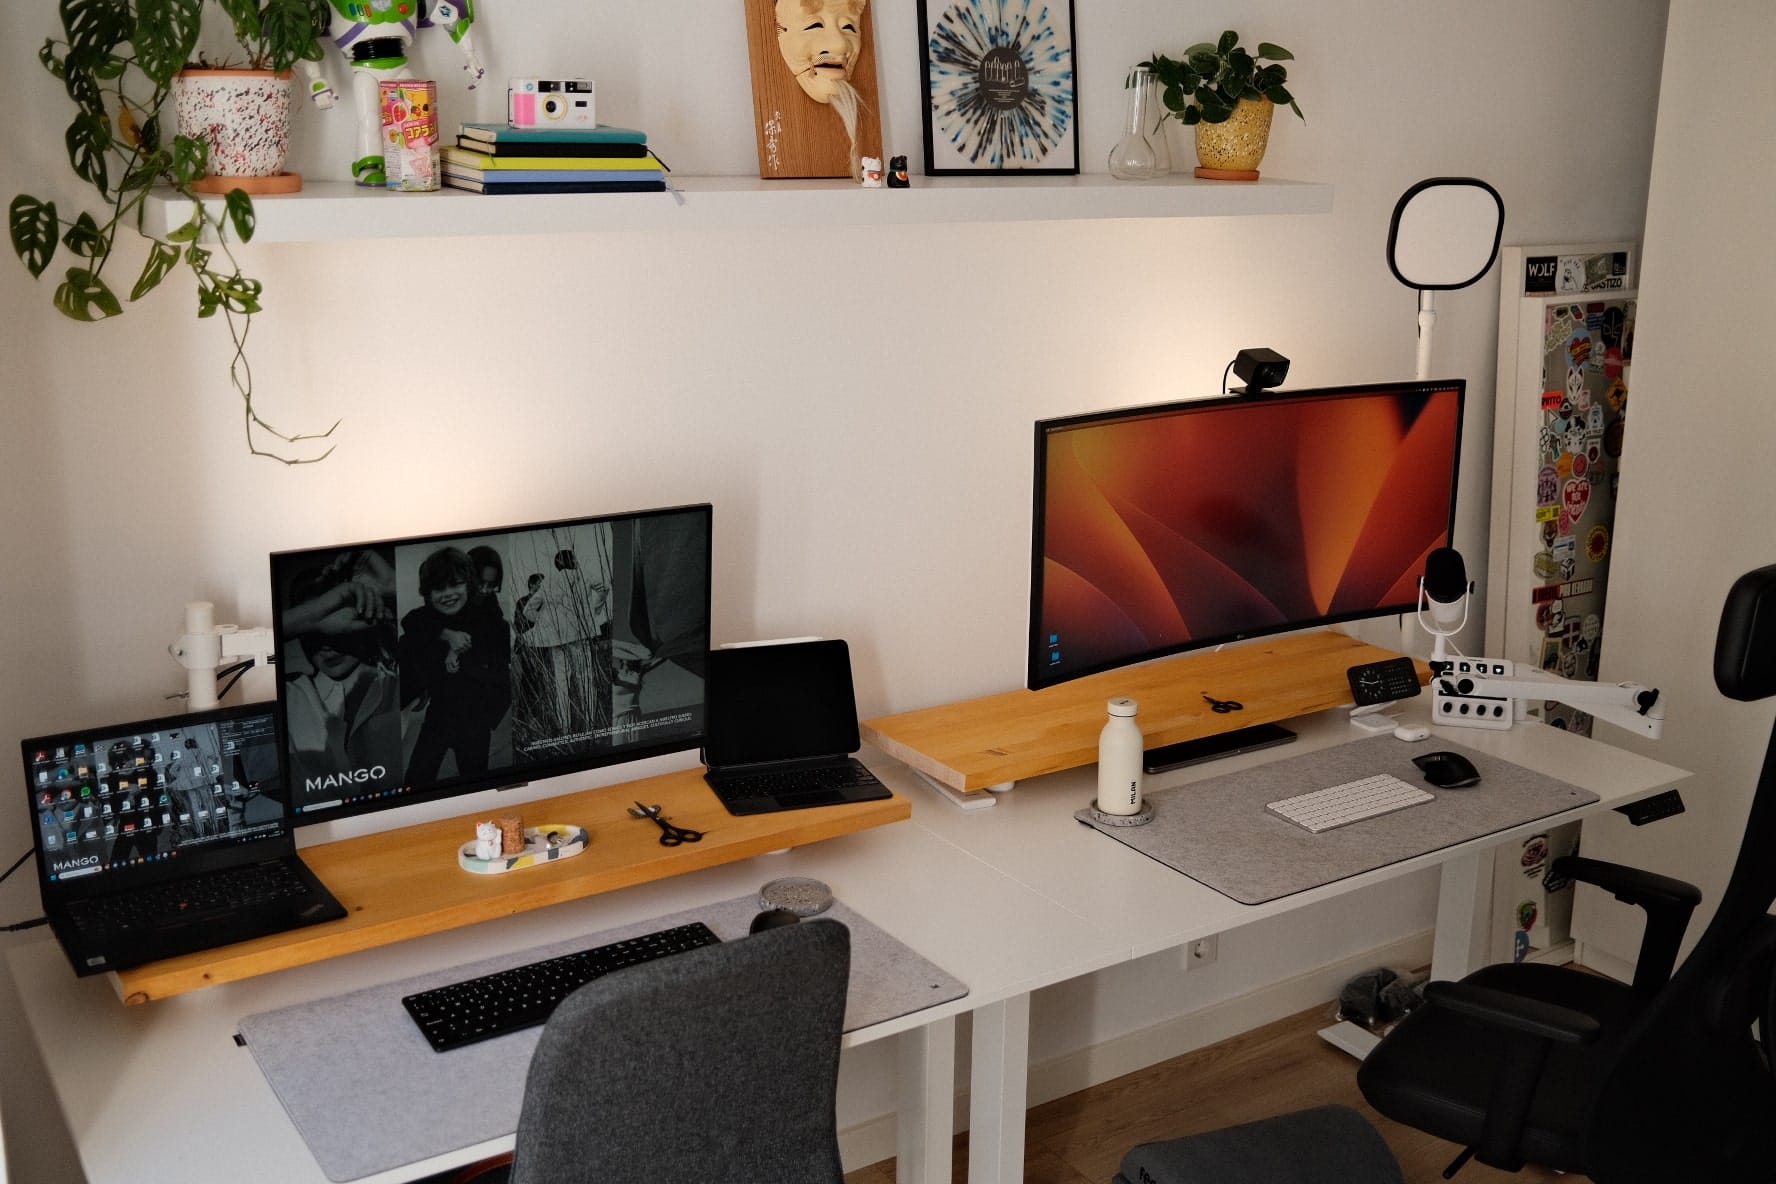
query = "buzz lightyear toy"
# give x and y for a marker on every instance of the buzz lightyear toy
(374, 36)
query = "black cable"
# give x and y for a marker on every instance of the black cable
(239, 669)
(34, 922)
(1224, 375)
(17, 863)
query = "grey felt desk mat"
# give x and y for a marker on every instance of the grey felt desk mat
(367, 1093)
(1219, 834)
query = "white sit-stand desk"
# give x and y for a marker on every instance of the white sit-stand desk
(1145, 907)
(161, 1092)
(1009, 900)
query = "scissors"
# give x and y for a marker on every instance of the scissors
(670, 835)
(1223, 706)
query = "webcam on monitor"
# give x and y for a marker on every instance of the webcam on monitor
(1260, 369)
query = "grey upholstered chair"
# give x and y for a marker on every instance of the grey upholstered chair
(717, 1065)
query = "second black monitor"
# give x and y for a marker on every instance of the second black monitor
(410, 669)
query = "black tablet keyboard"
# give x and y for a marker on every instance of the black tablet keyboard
(524, 996)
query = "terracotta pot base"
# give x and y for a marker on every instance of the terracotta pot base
(252, 186)
(1227, 174)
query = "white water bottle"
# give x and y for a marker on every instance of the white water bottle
(1119, 761)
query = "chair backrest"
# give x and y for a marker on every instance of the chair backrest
(1690, 1073)
(720, 1064)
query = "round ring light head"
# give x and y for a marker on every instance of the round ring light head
(1445, 233)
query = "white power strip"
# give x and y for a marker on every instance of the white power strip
(1352, 1038)
(1466, 707)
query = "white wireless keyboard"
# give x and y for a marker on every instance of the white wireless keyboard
(1340, 805)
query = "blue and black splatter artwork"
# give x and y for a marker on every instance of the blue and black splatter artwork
(1002, 86)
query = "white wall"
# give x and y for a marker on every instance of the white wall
(856, 402)
(1697, 481)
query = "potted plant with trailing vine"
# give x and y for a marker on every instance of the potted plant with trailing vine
(1227, 93)
(117, 59)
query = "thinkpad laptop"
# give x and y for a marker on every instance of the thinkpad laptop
(167, 836)
(782, 725)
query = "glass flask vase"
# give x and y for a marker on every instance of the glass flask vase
(1140, 154)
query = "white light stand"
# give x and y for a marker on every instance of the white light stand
(206, 645)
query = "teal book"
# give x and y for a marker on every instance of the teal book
(563, 149)
(504, 133)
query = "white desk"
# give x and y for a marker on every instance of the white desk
(1144, 907)
(1009, 900)
(143, 1087)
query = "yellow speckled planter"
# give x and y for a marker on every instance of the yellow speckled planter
(1231, 151)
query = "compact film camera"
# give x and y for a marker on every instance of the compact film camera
(550, 102)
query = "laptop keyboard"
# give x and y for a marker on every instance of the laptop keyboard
(156, 905)
(792, 788)
(524, 996)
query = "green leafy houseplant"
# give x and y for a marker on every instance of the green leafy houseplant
(1208, 83)
(117, 59)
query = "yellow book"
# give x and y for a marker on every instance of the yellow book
(481, 162)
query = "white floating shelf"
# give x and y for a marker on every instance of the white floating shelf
(333, 210)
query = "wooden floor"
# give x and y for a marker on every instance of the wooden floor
(1081, 1138)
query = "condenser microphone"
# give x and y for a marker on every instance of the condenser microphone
(1443, 596)
(1446, 586)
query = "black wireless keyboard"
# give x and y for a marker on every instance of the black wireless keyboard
(524, 996)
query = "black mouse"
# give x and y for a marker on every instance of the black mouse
(1447, 770)
(772, 919)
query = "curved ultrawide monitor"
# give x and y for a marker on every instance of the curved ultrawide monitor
(411, 669)
(1172, 527)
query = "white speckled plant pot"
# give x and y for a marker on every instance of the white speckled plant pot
(244, 116)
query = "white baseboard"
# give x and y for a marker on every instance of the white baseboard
(872, 1140)
(1594, 957)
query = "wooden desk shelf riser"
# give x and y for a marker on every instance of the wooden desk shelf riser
(405, 883)
(1020, 734)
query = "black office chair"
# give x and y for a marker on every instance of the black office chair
(718, 1065)
(1660, 1081)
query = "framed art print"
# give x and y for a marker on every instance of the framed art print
(1000, 88)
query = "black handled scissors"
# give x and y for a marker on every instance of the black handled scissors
(1223, 706)
(670, 835)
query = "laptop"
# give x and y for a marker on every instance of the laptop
(782, 725)
(167, 836)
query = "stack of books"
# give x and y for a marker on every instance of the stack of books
(497, 158)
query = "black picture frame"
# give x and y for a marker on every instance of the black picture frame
(1001, 92)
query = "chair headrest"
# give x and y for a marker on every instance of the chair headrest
(1745, 647)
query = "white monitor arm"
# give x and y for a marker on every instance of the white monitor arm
(1628, 705)
(205, 645)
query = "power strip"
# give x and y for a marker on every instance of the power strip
(1352, 1038)
(1464, 708)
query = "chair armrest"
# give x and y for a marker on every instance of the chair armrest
(1668, 904)
(1514, 1013)
(1524, 1031)
(1631, 884)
